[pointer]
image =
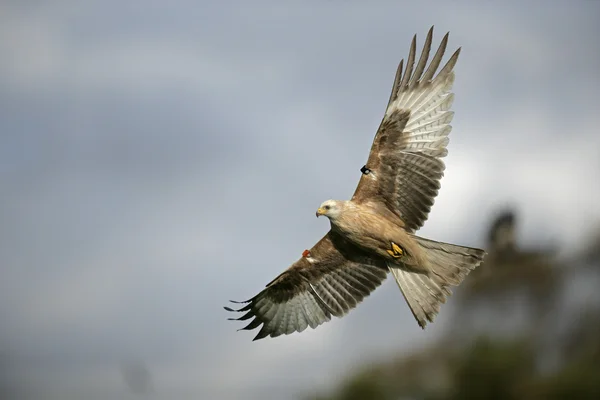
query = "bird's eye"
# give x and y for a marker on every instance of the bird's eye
(327, 207)
(365, 170)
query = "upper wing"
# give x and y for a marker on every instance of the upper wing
(329, 280)
(404, 166)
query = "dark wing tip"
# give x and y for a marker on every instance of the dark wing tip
(241, 302)
(244, 308)
(253, 324)
(263, 333)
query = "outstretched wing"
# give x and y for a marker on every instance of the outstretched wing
(330, 279)
(404, 166)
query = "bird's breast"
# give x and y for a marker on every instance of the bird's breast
(369, 230)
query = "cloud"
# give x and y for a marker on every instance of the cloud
(157, 162)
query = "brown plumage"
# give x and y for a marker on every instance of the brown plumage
(373, 233)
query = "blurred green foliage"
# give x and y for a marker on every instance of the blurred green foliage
(553, 354)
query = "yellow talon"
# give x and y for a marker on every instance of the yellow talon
(396, 251)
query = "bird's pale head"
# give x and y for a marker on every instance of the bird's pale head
(330, 208)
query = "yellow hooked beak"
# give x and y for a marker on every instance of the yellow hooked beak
(320, 212)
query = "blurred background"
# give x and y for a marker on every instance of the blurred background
(159, 159)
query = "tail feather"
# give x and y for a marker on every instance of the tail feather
(448, 265)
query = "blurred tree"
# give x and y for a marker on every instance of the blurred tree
(478, 362)
(137, 377)
(492, 370)
(508, 269)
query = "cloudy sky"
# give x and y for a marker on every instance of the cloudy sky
(156, 161)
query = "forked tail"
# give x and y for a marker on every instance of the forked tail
(448, 265)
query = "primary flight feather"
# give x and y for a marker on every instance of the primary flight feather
(374, 232)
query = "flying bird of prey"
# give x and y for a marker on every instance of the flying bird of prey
(374, 232)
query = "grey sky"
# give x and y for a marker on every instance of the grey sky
(156, 161)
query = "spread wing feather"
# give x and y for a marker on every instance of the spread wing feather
(403, 173)
(332, 280)
(404, 165)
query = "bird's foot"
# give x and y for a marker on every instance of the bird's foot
(396, 251)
